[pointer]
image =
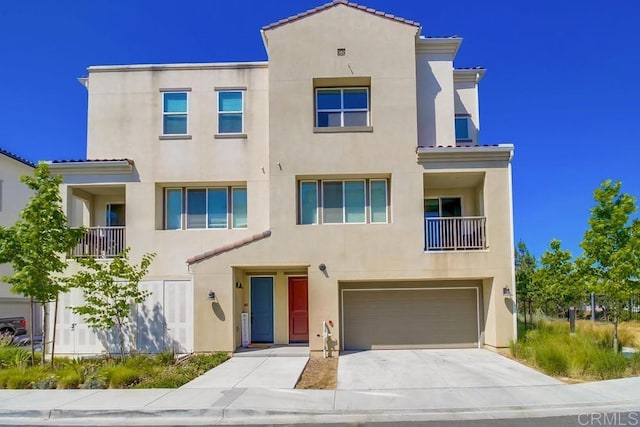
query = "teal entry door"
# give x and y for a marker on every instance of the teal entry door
(262, 309)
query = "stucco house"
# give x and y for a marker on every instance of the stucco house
(14, 195)
(339, 187)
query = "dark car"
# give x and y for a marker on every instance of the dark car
(13, 326)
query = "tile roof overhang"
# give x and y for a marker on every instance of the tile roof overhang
(336, 3)
(17, 158)
(92, 166)
(478, 153)
(229, 247)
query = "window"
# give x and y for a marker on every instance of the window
(115, 215)
(355, 201)
(174, 113)
(444, 207)
(342, 107)
(205, 208)
(230, 111)
(462, 129)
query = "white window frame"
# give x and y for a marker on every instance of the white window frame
(342, 110)
(231, 209)
(317, 210)
(241, 112)
(386, 199)
(320, 208)
(166, 211)
(174, 113)
(184, 207)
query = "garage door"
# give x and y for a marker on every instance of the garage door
(410, 318)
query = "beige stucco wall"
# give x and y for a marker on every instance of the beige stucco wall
(14, 197)
(413, 102)
(361, 252)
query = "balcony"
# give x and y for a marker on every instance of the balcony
(455, 233)
(101, 242)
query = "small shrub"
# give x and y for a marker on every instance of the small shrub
(12, 357)
(122, 377)
(552, 359)
(634, 364)
(68, 377)
(166, 358)
(48, 383)
(18, 378)
(170, 378)
(94, 382)
(607, 364)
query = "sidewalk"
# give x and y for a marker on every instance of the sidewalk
(207, 406)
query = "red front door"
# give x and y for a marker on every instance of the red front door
(298, 310)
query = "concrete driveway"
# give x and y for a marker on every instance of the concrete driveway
(276, 367)
(424, 369)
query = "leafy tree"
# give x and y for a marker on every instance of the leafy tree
(110, 288)
(558, 279)
(37, 243)
(526, 266)
(611, 249)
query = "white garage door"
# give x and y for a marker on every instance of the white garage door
(410, 318)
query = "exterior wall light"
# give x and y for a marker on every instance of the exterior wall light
(506, 292)
(238, 285)
(322, 267)
(212, 296)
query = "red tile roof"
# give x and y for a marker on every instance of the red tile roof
(335, 3)
(17, 158)
(229, 247)
(92, 161)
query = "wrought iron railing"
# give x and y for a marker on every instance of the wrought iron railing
(100, 242)
(455, 233)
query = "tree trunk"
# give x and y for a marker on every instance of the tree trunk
(524, 311)
(55, 324)
(33, 351)
(45, 325)
(121, 337)
(615, 328)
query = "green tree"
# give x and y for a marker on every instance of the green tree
(526, 266)
(557, 278)
(110, 288)
(37, 243)
(610, 262)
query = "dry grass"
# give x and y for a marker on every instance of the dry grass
(319, 374)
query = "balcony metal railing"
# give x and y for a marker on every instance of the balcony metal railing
(101, 242)
(455, 233)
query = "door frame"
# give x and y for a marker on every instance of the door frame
(296, 276)
(273, 303)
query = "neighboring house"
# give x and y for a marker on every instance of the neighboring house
(14, 196)
(342, 182)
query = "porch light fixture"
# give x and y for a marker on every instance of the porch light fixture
(506, 292)
(322, 267)
(238, 285)
(212, 296)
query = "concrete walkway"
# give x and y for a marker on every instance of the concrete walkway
(235, 403)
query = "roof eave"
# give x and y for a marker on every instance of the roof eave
(495, 153)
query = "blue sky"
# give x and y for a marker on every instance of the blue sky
(562, 84)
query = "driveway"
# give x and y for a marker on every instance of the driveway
(423, 369)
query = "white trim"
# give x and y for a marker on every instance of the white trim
(185, 66)
(317, 213)
(342, 108)
(173, 113)
(342, 291)
(231, 210)
(241, 111)
(166, 210)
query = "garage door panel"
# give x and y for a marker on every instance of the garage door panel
(416, 318)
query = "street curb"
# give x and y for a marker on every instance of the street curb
(247, 415)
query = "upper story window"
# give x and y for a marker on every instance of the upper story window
(356, 201)
(174, 113)
(342, 107)
(198, 208)
(462, 129)
(230, 112)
